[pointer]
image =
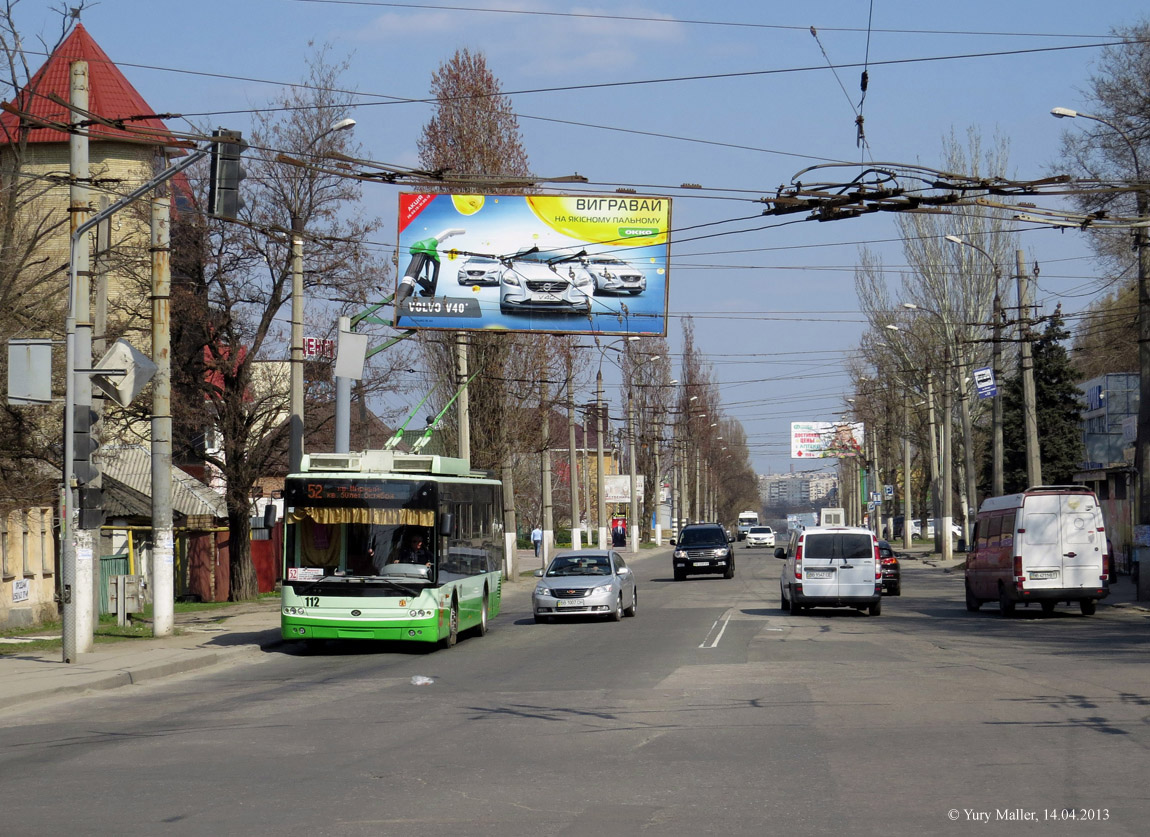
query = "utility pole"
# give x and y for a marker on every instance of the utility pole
(78, 585)
(1029, 408)
(942, 528)
(658, 504)
(163, 533)
(600, 429)
(295, 453)
(968, 448)
(906, 489)
(998, 483)
(463, 400)
(545, 481)
(573, 469)
(633, 512)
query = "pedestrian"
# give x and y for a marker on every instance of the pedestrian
(537, 539)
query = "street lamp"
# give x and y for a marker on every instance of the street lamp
(942, 526)
(295, 451)
(1142, 441)
(997, 486)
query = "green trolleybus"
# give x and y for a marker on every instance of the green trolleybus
(386, 545)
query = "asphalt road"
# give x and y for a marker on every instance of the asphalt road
(711, 712)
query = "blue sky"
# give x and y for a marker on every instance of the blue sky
(734, 96)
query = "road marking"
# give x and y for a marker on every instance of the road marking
(722, 620)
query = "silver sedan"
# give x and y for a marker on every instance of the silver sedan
(589, 582)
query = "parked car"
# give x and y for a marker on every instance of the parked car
(760, 536)
(916, 530)
(891, 571)
(831, 567)
(703, 548)
(585, 582)
(535, 282)
(612, 274)
(480, 270)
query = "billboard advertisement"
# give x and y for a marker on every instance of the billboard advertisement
(567, 264)
(826, 439)
(617, 488)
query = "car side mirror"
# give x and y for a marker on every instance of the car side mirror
(730, 538)
(624, 571)
(780, 552)
(672, 541)
(538, 573)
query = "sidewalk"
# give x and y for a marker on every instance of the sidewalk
(208, 638)
(202, 639)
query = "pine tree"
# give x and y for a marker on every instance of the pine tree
(1058, 411)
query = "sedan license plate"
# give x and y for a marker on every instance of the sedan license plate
(569, 603)
(701, 563)
(1044, 574)
(820, 574)
(546, 298)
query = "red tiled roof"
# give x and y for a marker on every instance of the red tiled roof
(110, 96)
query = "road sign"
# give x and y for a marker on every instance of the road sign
(984, 382)
(888, 490)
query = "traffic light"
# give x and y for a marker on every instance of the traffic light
(224, 200)
(90, 494)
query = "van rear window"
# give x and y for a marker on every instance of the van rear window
(1041, 527)
(837, 545)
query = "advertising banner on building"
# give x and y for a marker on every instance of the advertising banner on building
(826, 439)
(568, 264)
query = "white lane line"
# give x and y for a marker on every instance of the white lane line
(722, 620)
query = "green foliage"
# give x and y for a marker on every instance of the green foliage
(1058, 411)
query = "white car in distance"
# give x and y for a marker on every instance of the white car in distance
(760, 536)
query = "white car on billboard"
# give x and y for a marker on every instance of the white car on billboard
(540, 283)
(480, 270)
(613, 275)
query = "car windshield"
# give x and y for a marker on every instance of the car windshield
(837, 545)
(581, 565)
(760, 530)
(702, 536)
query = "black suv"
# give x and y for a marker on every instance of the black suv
(703, 548)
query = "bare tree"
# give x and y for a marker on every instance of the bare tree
(952, 285)
(474, 132)
(232, 280)
(1119, 152)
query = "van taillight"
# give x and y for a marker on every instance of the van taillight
(1105, 568)
(799, 561)
(1019, 578)
(877, 564)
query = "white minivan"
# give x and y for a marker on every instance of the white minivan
(831, 567)
(1045, 545)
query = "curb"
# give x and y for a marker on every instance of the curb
(134, 674)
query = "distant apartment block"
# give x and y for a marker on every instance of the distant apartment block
(788, 490)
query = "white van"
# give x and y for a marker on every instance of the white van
(1045, 545)
(831, 567)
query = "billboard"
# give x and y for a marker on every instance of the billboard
(568, 264)
(617, 488)
(826, 439)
